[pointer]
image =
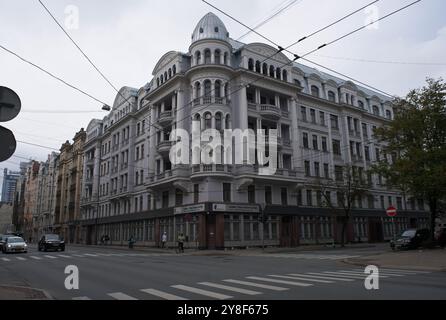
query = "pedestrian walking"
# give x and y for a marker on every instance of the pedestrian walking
(163, 239)
(131, 242)
(181, 240)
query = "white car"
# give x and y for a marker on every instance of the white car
(14, 244)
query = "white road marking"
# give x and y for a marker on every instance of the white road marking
(162, 294)
(301, 279)
(298, 284)
(230, 288)
(210, 294)
(403, 271)
(90, 255)
(5, 259)
(50, 257)
(63, 256)
(20, 258)
(121, 296)
(380, 273)
(256, 285)
(35, 258)
(78, 255)
(81, 298)
(349, 275)
(326, 277)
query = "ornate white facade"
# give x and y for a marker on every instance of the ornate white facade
(324, 123)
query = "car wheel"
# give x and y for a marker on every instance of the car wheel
(45, 249)
(62, 249)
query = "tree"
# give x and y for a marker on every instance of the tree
(417, 140)
(349, 187)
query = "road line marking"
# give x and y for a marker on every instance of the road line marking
(78, 255)
(298, 284)
(63, 256)
(230, 288)
(35, 258)
(319, 277)
(380, 273)
(404, 271)
(335, 274)
(359, 274)
(350, 275)
(211, 294)
(20, 258)
(50, 257)
(121, 296)
(301, 279)
(90, 255)
(257, 285)
(162, 294)
(6, 259)
(81, 298)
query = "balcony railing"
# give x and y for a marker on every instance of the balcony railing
(270, 111)
(166, 117)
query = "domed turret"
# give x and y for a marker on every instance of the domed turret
(210, 27)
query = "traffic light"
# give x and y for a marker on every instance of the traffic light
(10, 106)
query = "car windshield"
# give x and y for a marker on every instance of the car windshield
(409, 233)
(15, 240)
(52, 237)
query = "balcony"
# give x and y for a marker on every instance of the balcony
(271, 112)
(164, 147)
(165, 118)
(212, 169)
(181, 171)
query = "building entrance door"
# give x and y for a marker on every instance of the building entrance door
(285, 232)
(210, 232)
(376, 233)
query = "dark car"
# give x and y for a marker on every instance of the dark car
(51, 242)
(410, 239)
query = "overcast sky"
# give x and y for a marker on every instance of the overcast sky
(126, 39)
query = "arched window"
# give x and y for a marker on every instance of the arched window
(198, 57)
(207, 91)
(361, 104)
(174, 69)
(375, 110)
(162, 79)
(225, 58)
(217, 56)
(251, 64)
(315, 91)
(207, 56)
(197, 92)
(207, 121)
(157, 82)
(258, 66)
(272, 71)
(170, 73)
(265, 69)
(278, 73)
(218, 122)
(165, 76)
(217, 91)
(228, 122)
(285, 75)
(226, 90)
(331, 96)
(388, 114)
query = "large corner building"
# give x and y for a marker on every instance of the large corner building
(324, 124)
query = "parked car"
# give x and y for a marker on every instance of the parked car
(51, 242)
(410, 239)
(14, 244)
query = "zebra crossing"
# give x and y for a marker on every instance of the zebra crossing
(55, 256)
(307, 256)
(254, 286)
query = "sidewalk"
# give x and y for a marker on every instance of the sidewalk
(235, 251)
(22, 293)
(428, 260)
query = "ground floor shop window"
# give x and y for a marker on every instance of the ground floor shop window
(166, 225)
(307, 228)
(150, 230)
(326, 227)
(360, 227)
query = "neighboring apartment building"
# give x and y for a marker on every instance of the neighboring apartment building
(9, 186)
(6, 225)
(68, 194)
(19, 199)
(130, 187)
(30, 193)
(43, 218)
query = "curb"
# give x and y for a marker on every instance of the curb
(42, 291)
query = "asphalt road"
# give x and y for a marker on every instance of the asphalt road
(107, 274)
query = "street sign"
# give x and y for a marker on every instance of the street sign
(10, 106)
(391, 212)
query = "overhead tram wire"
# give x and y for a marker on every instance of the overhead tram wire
(262, 23)
(259, 78)
(84, 54)
(384, 61)
(323, 45)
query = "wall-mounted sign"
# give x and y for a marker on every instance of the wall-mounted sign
(190, 209)
(222, 207)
